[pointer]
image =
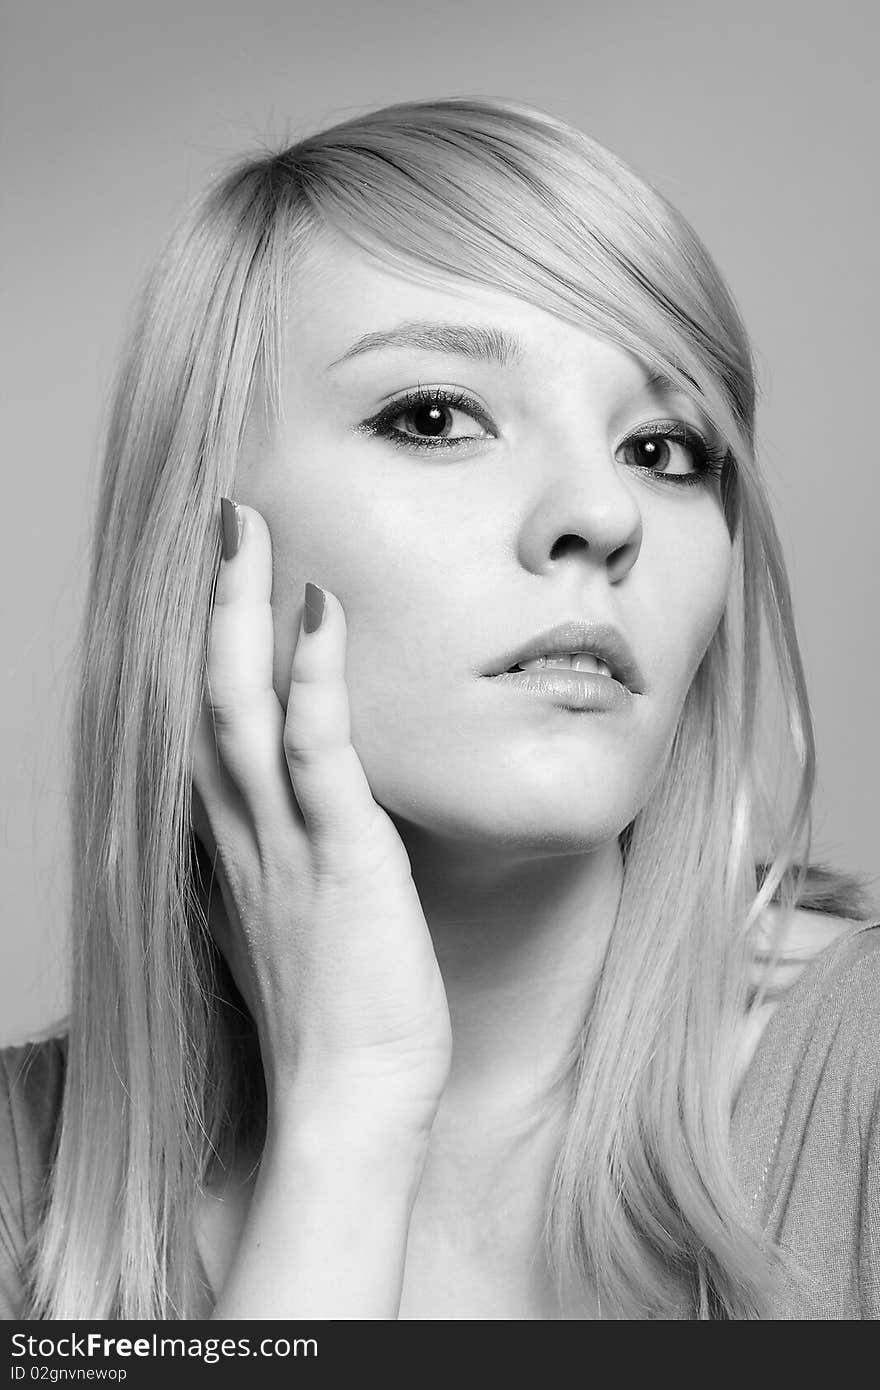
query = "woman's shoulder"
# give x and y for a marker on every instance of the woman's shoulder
(824, 1003)
(806, 1125)
(31, 1092)
(826, 962)
(32, 1074)
(46, 1049)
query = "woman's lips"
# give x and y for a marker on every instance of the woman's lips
(585, 690)
(599, 639)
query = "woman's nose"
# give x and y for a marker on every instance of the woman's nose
(584, 511)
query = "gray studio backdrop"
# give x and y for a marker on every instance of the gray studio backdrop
(758, 119)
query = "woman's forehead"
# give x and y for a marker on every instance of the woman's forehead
(351, 313)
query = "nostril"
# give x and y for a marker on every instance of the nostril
(619, 554)
(567, 543)
(622, 559)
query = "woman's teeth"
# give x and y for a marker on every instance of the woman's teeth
(574, 661)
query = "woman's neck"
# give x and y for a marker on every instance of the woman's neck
(520, 943)
(520, 946)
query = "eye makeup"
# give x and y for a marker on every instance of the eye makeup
(647, 449)
(430, 401)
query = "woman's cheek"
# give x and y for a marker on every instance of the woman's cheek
(700, 590)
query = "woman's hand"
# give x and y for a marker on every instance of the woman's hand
(319, 918)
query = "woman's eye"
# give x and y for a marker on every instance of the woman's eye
(671, 451)
(435, 421)
(430, 419)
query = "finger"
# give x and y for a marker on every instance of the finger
(245, 713)
(328, 778)
(217, 809)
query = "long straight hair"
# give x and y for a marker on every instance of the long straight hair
(163, 1075)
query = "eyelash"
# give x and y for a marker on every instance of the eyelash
(709, 460)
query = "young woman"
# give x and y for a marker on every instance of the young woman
(431, 957)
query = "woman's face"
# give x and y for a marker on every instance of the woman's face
(538, 508)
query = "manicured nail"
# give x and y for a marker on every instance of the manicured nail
(231, 525)
(314, 608)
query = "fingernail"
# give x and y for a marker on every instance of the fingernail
(314, 609)
(230, 518)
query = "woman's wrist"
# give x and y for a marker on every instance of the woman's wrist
(375, 1115)
(327, 1228)
(340, 1131)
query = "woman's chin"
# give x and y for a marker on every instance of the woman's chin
(522, 820)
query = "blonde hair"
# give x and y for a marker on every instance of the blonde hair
(644, 1209)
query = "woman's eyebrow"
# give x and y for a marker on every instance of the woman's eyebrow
(476, 341)
(657, 381)
(466, 339)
